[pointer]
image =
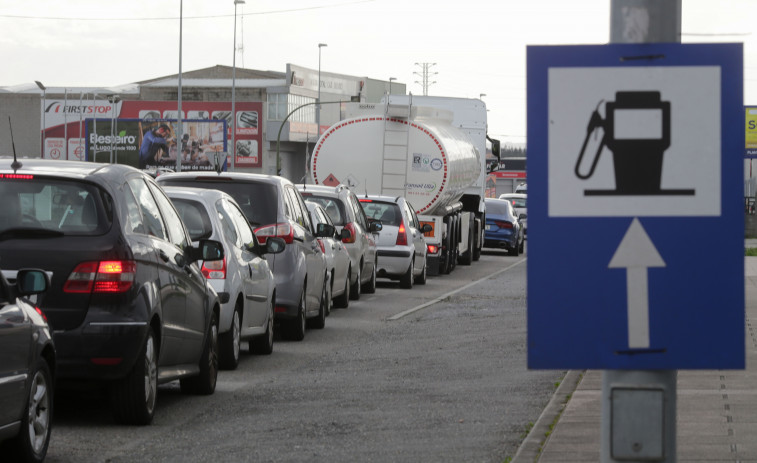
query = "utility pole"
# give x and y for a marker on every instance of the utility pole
(426, 75)
(645, 401)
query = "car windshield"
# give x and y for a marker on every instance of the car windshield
(332, 205)
(498, 207)
(53, 207)
(195, 217)
(387, 213)
(258, 201)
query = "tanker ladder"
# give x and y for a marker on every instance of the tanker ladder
(395, 147)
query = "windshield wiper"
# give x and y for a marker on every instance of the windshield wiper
(14, 233)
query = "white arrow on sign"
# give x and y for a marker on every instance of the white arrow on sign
(636, 253)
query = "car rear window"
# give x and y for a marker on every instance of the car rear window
(387, 213)
(195, 218)
(258, 201)
(332, 205)
(497, 207)
(60, 205)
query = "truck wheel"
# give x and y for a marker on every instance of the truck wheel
(467, 257)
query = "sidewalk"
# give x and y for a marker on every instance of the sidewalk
(717, 409)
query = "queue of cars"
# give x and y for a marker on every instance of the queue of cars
(141, 281)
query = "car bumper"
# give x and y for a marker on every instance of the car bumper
(393, 262)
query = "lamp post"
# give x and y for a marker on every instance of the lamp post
(44, 97)
(233, 89)
(318, 100)
(113, 100)
(180, 125)
(390, 84)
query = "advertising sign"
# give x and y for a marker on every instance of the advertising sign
(751, 131)
(631, 151)
(153, 143)
(68, 118)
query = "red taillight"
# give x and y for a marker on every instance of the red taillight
(40, 312)
(503, 224)
(214, 269)
(432, 248)
(114, 276)
(351, 227)
(323, 247)
(401, 235)
(366, 200)
(280, 230)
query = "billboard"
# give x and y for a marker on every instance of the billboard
(65, 123)
(751, 131)
(147, 144)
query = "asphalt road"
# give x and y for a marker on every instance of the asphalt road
(380, 383)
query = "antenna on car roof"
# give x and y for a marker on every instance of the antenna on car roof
(15, 165)
(366, 186)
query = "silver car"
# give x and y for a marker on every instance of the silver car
(401, 244)
(243, 281)
(274, 208)
(337, 257)
(343, 206)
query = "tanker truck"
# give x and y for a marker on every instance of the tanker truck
(431, 150)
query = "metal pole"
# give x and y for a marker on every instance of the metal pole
(81, 112)
(44, 98)
(180, 125)
(65, 122)
(233, 90)
(645, 398)
(390, 84)
(318, 100)
(94, 152)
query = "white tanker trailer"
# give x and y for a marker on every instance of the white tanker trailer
(431, 150)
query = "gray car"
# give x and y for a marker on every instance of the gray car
(274, 207)
(337, 257)
(26, 370)
(344, 208)
(401, 244)
(243, 280)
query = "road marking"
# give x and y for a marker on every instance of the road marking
(443, 296)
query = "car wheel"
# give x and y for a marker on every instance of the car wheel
(134, 397)
(33, 439)
(229, 342)
(205, 382)
(514, 250)
(319, 322)
(370, 287)
(330, 299)
(263, 344)
(421, 279)
(522, 247)
(355, 288)
(296, 327)
(407, 279)
(343, 301)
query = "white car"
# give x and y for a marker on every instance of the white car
(337, 256)
(401, 244)
(245, 285)
(518, 200)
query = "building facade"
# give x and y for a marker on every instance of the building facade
(275, 118)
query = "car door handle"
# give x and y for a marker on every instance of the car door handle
(164, 257)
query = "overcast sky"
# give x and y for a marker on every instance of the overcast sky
(478, 45)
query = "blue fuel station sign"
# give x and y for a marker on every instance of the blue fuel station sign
(636, 226)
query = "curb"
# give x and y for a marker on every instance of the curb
(530, 449)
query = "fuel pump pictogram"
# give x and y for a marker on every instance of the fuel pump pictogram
(636, 128)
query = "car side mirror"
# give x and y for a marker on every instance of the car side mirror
(324, 230)
(523, 215)
(31, 281)
(426, 228)
(207, 250)
(375, 226)
(274, 245)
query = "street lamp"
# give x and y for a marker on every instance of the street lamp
(113, 100)
(390, 84)
(318, 106)
(44, 97)
(233, 89)
(180, 125)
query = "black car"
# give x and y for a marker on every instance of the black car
(128, 305)
(27, 366)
